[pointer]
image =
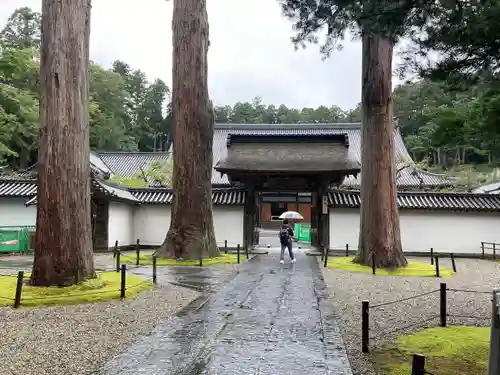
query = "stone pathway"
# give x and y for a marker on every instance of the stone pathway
(270, 319)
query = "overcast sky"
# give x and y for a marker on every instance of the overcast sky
(250, 54)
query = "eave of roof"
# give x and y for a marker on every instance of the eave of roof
(225, 196)
(424, 201)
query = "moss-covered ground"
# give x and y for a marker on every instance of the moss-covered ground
(413, 268)
(448, 351)
(105, 287)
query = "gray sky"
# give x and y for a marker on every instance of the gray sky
(250, 54)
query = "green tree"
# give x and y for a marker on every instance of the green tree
(22, 30)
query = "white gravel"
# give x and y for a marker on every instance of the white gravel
(78, 339)
(348, 289)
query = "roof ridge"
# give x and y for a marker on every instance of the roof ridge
(98, 153)
(333, 125)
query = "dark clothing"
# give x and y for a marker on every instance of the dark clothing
(290, 230)
(287, 244)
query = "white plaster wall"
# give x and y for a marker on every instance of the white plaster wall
(120, 224)
(458, 232)
(228, 225)
(13, 212)
(151, 223)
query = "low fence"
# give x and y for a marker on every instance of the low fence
(443, 315)
(117, 254)
(485, 250)
(487, 246)
(17, 298)
(434, 261)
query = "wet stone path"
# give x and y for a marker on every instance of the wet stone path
(270, 319)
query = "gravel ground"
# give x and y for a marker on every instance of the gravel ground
(348, 289)
(78, 339)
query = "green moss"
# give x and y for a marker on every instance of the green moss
(105, 287)
(147, 260)
(448, 351)
(413, 268)
(133, 182)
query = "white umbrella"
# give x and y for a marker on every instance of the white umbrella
(291, 215)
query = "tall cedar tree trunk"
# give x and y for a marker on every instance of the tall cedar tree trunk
(191, 232)
(379, 228)
(63, 246)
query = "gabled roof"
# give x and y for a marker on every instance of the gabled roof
(128, 164)
(310, 154)
(408, 177)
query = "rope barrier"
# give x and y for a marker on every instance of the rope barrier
(404, 299)
(468, 291)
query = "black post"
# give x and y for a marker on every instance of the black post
(118, 254)
(201, 257)
(322, 254)
(246, 252)
(432, 255)
(437, 265)
(482, 249)
(154, 269)
(238, 253)
(442, 304)
(418, 365)
(138, 252)
(374, 270)
(123, 280)
(325, 250)
(19, 289)
(225, 247)
(452, 256)
(494, 251)
(365, 327)
(346, 249)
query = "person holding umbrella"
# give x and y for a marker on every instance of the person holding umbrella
(286, 234)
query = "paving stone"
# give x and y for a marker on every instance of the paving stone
(270, 319)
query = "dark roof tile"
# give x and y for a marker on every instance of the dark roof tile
(424, 200)
(408, 177)
(165, 196)
(11, 188)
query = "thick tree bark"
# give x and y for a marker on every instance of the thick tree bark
(191, 232)
(63, 246)
(379, 228)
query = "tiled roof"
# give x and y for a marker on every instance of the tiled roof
(114, 191)
(307, 154)
(425, 201)
(130, 164)
(408, 177)
(109, 190)
(12, 188)
(163, 196)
